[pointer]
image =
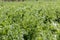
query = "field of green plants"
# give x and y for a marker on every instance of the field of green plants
(29, 20)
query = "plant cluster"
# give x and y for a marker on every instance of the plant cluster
(29, 21)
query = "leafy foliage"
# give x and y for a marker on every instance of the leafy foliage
(29, 21)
